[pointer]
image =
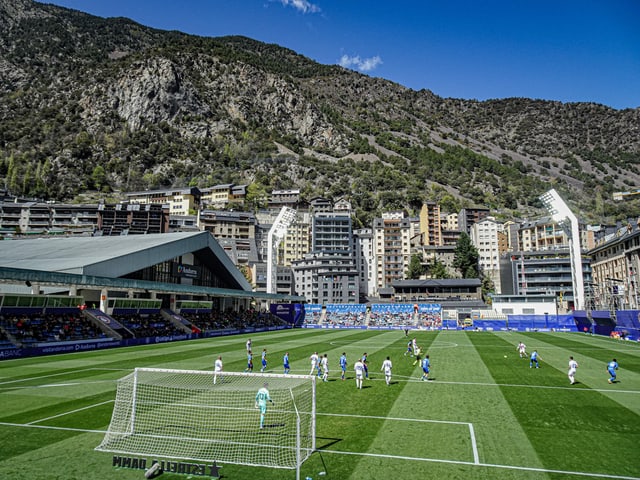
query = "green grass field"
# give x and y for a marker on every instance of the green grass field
(483, 416)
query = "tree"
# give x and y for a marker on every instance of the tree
(12, 176)
(246, 273)
(466, 257)
(257, 196)
(437, 269)
(487, 289)
(99, 177)
(415, 269)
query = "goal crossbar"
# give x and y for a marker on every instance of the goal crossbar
(207, 416)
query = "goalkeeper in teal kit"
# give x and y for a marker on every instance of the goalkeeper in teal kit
(262, 397)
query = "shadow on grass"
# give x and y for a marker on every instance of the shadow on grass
(326, 442)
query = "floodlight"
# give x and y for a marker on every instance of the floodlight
(562, 215)
(277, 232)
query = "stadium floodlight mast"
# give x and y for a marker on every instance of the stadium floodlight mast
(277, 232)
(562, 215)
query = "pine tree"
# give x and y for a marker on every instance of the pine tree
(466, 257)
(415, 269)
(438, 269)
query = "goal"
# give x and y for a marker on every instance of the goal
(194, 415)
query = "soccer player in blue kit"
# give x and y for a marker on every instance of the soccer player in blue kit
(612, 366)
(264, 360)
(426, 363)
(343, 364)
(285, 361)
(534, 359)
(366, 365)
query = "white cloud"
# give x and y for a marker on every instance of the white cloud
(303, 6)
(362, 64)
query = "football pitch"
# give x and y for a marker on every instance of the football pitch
(484, 414)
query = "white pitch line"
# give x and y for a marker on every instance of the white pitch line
(398, 419)
(488, 465)
(474, 444)
(70, 412)
(28, 379)
(47, 427)
(472, 434)
(552, 387)
(54, 385)
(377, 455)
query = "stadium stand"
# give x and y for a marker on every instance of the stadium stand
(349, 315)
(148, 325)
(38, 328)
(217, 320)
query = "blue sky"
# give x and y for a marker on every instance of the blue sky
(566, 50)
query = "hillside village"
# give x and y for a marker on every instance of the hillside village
(323, 257)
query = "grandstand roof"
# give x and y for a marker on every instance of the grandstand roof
(103, 261)
(117, 256)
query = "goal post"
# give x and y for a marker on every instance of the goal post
(202, 416)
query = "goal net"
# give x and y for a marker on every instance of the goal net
(194, 415)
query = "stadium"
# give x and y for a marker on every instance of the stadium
(116, 310)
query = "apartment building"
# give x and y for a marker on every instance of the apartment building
(328, 273)
(38, 218)
(284, 198)
(365, 262)
(490, 241)
(392, 235)
(228, 224)
(544, 234)
(297, 241)
(468, 216)
(181, 201)
(543, 272)
(430, 224)
(615, 264)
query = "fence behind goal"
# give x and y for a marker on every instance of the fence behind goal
(196, 415)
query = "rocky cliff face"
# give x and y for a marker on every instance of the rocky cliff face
(116, 106)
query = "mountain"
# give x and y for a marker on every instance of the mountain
(109, 105)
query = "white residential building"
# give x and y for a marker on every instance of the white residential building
(392, 248)
(365, 261)
(490, 241)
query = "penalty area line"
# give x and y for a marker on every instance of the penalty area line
(472, 433)
(486, 465)
(70, 412)
(48, 427)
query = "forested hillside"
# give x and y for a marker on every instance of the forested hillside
(107, 105)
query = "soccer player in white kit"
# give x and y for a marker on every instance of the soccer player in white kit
(387, 366)
(314, 363)
(358, 367)
(573, 366)
(324, 363)
(522, 349)
(217, 367)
